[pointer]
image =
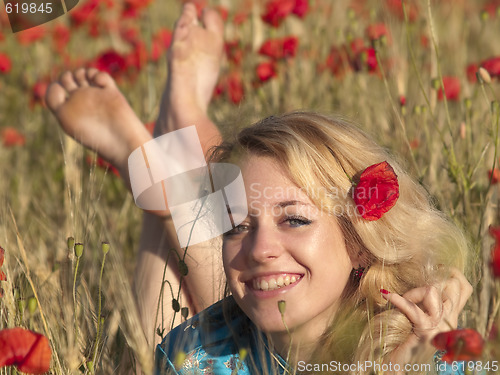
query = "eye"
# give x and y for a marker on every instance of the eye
(237, 230)
(297, 221)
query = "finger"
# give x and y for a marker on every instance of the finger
(430, 299)
(409, 308)
(456, 292)
(466, 288)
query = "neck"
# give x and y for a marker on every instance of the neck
(298, 345)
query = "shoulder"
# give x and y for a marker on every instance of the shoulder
(205, 340)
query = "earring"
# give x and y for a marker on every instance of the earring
(358, 272)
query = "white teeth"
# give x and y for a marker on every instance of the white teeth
(280, 281)
(272, 284)
(264, 285)
(287, 280)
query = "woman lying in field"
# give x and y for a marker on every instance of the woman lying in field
(339, 258)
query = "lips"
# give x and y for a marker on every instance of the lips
(272, 282)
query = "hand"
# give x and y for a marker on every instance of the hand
(430, 311)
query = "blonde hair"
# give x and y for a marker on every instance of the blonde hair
(400, 251)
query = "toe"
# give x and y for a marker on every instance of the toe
(187, 19)
(213, 21)
(55, 96)
(67, 81)
(103, 80)
(91, 73)
(81, 77)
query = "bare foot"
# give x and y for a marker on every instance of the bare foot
(193, 68)
(92, 110)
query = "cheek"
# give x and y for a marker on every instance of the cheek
(229, 260)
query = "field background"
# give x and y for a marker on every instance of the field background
(357, 58)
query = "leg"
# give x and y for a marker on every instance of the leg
(193, 64)
(91, 109)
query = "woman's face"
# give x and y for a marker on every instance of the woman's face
(286, 249)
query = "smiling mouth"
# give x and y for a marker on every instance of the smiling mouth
(272, 283)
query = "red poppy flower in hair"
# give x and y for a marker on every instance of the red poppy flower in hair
(377, 191)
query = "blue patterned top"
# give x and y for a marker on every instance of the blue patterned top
(221, 340)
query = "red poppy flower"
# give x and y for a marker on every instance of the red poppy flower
(5, 63)
(12, 137)
(366, 59)
(277, 11)
(3, 276)
(31, 35)
(266, 71)
(402, 100)
(60, 37)
(280, 48)
(132, 8)
(234, 52)
(27, 350)
(337, 61)
(111, 62)
(377, 31)
(494, 176)
(471, 73)
(492, 65)
(424, 41)
(223, 12)
(495, 257)
(235, 87)
(240, 18)
(396, 8)
(460, 345)
(451, 89)
(377, 191)
(491, 8)
(160, 44)
(80, 14)
(38, 93)
(301, 8)
(357, 46)
(138, 57)
(102, 164)
(2, 256)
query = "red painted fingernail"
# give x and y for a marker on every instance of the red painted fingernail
(383, 291)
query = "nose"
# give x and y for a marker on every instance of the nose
(265, 245)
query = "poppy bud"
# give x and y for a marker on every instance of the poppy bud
(484, 15)
(483, 75)
(183, 268)
(105, 247)
(436, 84)
(32, 305)
(79, 250)
(175, 305)
(282, 307)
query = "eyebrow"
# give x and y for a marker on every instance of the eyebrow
(291, 203)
